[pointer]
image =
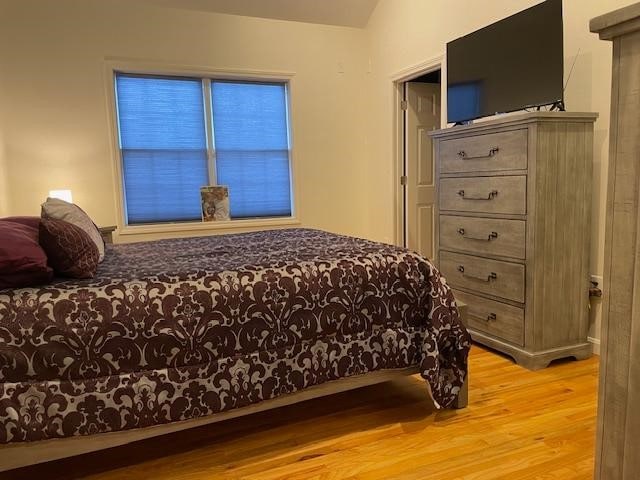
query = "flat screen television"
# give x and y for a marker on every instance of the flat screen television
(511, 65)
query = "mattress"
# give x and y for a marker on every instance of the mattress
(177, 329)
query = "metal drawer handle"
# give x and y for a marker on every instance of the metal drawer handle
(492, 317)
(462, 154)
(488, 238)
(488, 278)
(492, 194)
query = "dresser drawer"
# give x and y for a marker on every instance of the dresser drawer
(494, 318)
(485, 153)
(493, 277)
(506, 194)
(491, 236)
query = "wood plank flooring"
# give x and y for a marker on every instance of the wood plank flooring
(519, 425)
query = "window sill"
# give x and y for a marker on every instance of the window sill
(217, 226)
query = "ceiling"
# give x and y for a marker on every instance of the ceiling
(348, 13)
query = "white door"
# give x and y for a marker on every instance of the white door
(423, 115)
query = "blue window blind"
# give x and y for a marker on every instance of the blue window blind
(252, 147)
(164, 147)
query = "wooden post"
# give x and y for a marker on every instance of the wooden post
(618, 443)
(463, 397)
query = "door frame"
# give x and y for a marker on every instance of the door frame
(399, 138)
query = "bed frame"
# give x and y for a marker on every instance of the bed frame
(15, 455)
(21, 454)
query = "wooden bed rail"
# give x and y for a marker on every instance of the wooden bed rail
(16, 455)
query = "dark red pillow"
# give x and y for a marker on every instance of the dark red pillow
(70, 249)
(33, 222)
(23, 263)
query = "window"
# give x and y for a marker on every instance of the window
(179, 134)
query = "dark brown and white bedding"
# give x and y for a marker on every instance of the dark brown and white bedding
(178, 329)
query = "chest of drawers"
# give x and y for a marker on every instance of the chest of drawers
(513, 230)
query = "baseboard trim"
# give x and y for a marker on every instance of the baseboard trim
(595, 344)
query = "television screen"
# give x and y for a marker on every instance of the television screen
(510, 65)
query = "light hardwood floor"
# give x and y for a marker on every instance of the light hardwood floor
(519, 425)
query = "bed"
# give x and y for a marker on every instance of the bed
(180, 332)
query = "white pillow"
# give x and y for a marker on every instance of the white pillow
(69, 212)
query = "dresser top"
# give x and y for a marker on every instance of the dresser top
(618, 22)
(515, 119)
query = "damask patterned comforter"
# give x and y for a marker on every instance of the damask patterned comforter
(178, 329)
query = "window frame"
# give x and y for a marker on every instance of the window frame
(206, 75)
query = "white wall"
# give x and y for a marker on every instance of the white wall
(4, 188)
(404, 33)
(53, 56)
(4, 185)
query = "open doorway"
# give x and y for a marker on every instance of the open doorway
(421, 113)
